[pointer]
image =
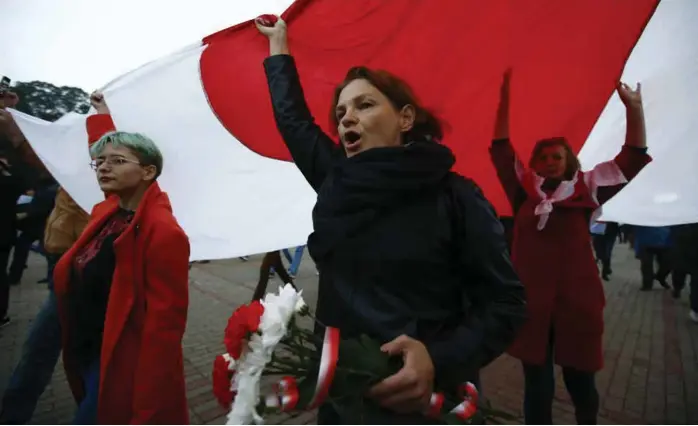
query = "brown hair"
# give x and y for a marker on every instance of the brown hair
(426, 124)
(573, 164)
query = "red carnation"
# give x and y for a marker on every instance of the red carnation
(221, 382)
(245, 320)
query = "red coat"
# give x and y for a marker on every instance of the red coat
(555, 262)
(141, 362)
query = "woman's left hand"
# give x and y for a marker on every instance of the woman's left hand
(408, 390)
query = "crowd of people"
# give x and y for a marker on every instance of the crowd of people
(663, 251)
(407, 251)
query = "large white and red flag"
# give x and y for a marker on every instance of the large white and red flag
(229, 176)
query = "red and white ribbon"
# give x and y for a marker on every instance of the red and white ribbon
(468, 407)
(435, 404)
(328, 366)
(285, 396)
(464, 410)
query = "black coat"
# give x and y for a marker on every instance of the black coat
(435, 267)
(10, 190)
(685, 248)
(15, 178)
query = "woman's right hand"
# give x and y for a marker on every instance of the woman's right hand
(98, 102)
(275, 29)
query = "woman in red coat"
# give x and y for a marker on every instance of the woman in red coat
(554, 202)
(122, 290)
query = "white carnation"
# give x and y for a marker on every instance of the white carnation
(278, 311)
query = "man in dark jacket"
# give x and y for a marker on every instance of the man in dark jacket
(42, 346)
(31, 223)
(11, 187)
(14, 180)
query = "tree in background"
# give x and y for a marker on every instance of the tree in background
(49, 102)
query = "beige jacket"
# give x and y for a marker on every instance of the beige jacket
(64, 225)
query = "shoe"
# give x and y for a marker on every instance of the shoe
(6, 321)
(43, 281)
(244, 258)
(606, 277)
(662, 282)
(693, 315)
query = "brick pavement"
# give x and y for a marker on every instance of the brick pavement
(651, 348)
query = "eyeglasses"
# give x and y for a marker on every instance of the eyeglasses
(111, 161)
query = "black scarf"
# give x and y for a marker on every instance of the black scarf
(359, 189)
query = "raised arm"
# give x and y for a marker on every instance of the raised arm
(502, 152)
(312, 150)
(23, 152)
(611, 176)
(101, 123)
(633, 157)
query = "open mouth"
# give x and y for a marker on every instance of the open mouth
(351, 139)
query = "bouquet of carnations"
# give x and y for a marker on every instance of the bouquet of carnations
(263, 338)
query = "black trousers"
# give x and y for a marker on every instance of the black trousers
(647, 258)
(603, 247)
(20, 254)
(678, 279)
(4, 281)
(539, 391)
(603, 253)
(624, 232)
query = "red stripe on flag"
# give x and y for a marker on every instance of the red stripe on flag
(566, 57)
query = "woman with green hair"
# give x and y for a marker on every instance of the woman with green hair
(122, 289)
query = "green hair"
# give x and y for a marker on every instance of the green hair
(140, 145)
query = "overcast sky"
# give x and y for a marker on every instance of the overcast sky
(87, 43)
